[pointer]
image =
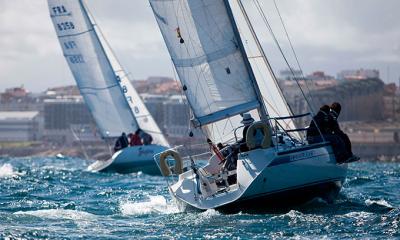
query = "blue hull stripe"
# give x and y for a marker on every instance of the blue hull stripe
(330, 180)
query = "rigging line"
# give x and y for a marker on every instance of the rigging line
(212, 39)
(99, 37)
(96, 27)
(210, 20)
(187, 51)
(174, 70)
(257, 3)
(218, 63)
(181, 93)
(202, 72)
(273, 105)
(295, 55)
(263, 111)
(258, 6)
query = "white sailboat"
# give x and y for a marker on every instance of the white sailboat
(113, 102)
(223, 78)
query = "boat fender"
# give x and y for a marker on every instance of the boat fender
(165, 169)
(251, 132)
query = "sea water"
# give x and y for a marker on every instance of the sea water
(58, 199)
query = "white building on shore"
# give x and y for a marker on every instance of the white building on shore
(19, 126)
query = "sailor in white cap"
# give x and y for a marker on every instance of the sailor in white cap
(246, 121)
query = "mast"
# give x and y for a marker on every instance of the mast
(262, 110)
(117, 78)
(261, 49)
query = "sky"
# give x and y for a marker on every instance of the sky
(328, 35)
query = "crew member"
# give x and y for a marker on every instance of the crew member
(319, 125)
(246, 121)
(121, 143)
(147, 139)
(134, 139)
(335, 109)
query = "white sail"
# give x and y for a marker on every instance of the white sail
(201, 40)
(205, 28)
(91, 69)
(142, 115)
(223, 131)
(111, 98)
(267, 83)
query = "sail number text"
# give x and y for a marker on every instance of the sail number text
(70, 45)
(57, 10)
(74, 59)
(125, 91)
(65, 26)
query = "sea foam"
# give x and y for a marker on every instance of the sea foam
(155, 204)
(6, 171)
(59, 214)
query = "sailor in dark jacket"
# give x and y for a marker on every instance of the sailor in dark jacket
(335, 109)
(319, 125)
(121, 143)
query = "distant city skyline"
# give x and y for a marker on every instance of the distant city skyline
(328, 36)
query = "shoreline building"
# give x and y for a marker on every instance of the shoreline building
(361, 100)
(19, 126)
(357, 74)
(67, 120)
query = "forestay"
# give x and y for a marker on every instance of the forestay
(201, 41)
(266, 80)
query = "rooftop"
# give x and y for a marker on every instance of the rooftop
(18, 115)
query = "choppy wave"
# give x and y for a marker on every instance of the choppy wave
(380, 202)
(58, 199)
(7, 170)
(59, 214)
(155, 204)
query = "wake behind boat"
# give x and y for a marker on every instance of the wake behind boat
(228, 83)
(113, 102)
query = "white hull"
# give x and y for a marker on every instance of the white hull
(265, 177)
(131, 159)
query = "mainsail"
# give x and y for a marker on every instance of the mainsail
(115, 105)
(216, 73)
(207, 56)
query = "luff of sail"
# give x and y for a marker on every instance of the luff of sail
(206, 54)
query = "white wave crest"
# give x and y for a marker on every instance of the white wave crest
(380, 202)
(59, 214)
(156, 204)
(206, 216)
(7, 170)
(210, 213)
(358, 215)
